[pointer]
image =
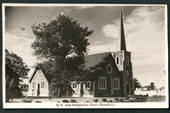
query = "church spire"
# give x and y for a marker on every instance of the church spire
(122, 35)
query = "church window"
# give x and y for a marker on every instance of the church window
(33, 85)
(117, 60)
(74, 85)
(42, 84)
(102, 82)
(127, 75)
(127, 60)
(115, 83)
(88, 84)
(109, 68)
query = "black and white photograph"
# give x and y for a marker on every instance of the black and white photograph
(85, 56)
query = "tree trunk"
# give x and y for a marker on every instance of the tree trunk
(58, 92)
(67, 89)
(67, 93)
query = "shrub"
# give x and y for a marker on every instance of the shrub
(26, 100)
(73, 101)
(95, 100)
(104, 100)
(116, 99)
(65, 101)
(156, 98)
(141, 98)
(110, 101)
(38, 101)
(121, 99)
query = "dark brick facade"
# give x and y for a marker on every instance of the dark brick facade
(125, 81)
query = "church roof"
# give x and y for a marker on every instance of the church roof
(94, 59)
(90, 61)
(122, 37)
(34, 72)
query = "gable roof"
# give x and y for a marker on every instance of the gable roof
(34, 72)
(32, 76)
(94, 59)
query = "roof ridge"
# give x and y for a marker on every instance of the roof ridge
(98, 53)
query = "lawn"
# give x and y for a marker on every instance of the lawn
(135, 98)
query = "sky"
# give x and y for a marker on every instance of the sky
(144, 33)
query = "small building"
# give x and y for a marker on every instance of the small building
(38, 84)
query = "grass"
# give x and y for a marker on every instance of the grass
(134, 98)
(140, 98)
(156, 98)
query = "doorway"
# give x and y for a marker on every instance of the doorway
(38, 89)
(127, 89)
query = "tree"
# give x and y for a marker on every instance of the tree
(54, 41)
(136, 83)
(16, 64)
(15, 70)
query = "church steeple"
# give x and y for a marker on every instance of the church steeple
(122, 35)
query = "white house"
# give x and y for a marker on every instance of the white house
(38, 84)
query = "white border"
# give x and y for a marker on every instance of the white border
(86, 105)
(3, 56)
(53, 105)
(72, 4)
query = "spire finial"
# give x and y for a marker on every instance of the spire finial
(122, 35)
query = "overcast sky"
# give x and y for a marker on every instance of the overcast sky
(144, 30)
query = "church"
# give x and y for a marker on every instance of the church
(110, 75)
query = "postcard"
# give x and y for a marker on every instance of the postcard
(85, 56)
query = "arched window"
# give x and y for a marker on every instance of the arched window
(74, 85)
(117, 60)
(88, 84)
(127, 60)
(109, 68)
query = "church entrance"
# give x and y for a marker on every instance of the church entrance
(81, 90)
(38, 89)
